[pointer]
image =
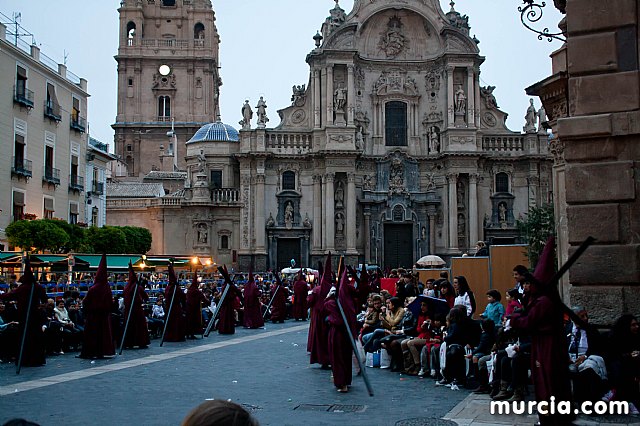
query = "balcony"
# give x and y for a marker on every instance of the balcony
(77, 123)
(23, 96)
(225, 195)
(76, 183)
(51, 175)
(21, 168)
(52, 111)
(97, 188)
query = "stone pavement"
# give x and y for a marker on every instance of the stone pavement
(474, 410)
(267, 371)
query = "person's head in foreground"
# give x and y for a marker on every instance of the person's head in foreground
(219, 413)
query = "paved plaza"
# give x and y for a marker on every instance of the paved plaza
(267, 371)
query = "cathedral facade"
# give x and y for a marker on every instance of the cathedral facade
(391, 151)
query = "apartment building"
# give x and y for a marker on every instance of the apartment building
(97, 171)
(43, 136)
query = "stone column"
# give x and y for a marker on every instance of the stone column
(245, 211)
(471, 108)
(450, 100)
(317, 212)
(432, 233)
(351, 95)
(473, 209)
(316, 100)
(478, 99)
(259, 215)
(323, 112)
(367, 237)
(351, 213)
(453, 212)
(329, 213)
(329, 94)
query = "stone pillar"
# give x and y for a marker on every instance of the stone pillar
(432, 233)
(367, 237)
(259, 215)
(453, 211)
(473, 209)
(351, 95)
(245, 211)
(317, 212)
(329, 213)
(450, 100)
(329, 94)
(317, 119)
(478, 100)
(351, 213)
(471, 108)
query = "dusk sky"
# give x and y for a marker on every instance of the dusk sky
(264, 45)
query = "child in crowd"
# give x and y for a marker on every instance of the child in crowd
(429, 357)
(494, 310)
(513, 301)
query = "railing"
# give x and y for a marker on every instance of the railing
(52, 110)
(23, 96)
(167, 43)
(73, 78)
(277, 140)
(51, 175)
(77, 123)
(130, 203)
(163, 118)
(48, 62)
(503, 143)
(225, 195)
(169, 201)
(97, 188)
(76, 183)
(21, 167)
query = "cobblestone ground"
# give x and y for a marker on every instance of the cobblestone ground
(265, 370)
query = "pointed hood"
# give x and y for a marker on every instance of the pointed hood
(347, 302)
(545, 268)
(251, 279)
(326, 282)
(133, 279)
(27, 277)
(299, 277)
(173, 279)
(99, 295)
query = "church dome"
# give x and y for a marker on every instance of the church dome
(215, 132)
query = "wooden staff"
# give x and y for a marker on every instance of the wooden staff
(228, 281)
(166, 320)
(26, 326)
(126, 325)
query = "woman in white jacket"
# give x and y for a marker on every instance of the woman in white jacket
(464, 295)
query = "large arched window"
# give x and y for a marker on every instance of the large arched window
(289, 180)
(198, 31)
(396, 123)
(502, 182)
(164, 108)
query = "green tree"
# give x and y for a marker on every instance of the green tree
(77, 236)
(108, 239)
(536, 227)
(19, 234)
(138, 239)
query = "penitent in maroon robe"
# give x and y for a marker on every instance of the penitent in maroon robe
(34, 345)
(339, 347)
(97, 336)
(318, 330)
(227, 322)
(137, 333)
(300, 290)
(174, 313)
(279, 304)
(252, 313)
(195, 299)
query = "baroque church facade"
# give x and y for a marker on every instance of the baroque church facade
(391, 151)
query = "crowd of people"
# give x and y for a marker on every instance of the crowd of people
(427, 330)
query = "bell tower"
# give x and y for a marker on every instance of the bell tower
(168, 81)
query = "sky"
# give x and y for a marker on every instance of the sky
(263, 49)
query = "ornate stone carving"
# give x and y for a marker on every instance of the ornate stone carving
(247, 115)
(431, 184)
(530, 118)
(396, 177)
(369, 182)
(486, 93)
(298, 116)
(392, 39)
(270, 221)
(339, 195)
(556, 147)
(341, 138)
(395, 81)
(489, 120)
(261, 109)
(203, 233)
(299, 97)
(307, 222)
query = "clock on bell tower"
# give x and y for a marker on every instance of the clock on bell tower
(167, 75)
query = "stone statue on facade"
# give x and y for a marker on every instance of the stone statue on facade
(461, 101)
(202, 162)
(270, 222)
(502, 213)
(339, 224)
(392, 41)
(247, 115)
(261, 109)
(298, 98)
(434, 140)
(339, 99)
(359, 139)
(489, 99)
(542, 120)
(530, 117)
(202, 233)
(396, 177)
(431, 184)
(288, 214)
(339, 195)
(306, 222)
(368, 183)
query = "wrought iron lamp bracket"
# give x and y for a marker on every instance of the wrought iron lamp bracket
(530, 13)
